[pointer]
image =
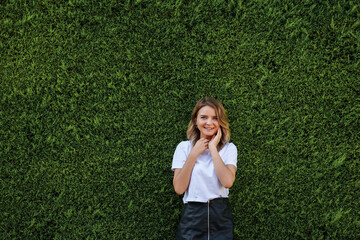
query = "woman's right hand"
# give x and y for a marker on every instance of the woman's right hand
(200, 146)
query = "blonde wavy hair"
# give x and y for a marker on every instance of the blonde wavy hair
(193, 132)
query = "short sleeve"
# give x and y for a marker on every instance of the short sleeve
(180, 155)
(230, 155)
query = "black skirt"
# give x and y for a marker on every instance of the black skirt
(201, 221)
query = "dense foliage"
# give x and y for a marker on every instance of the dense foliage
(95, 96)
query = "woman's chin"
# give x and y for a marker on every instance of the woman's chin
(208, 135)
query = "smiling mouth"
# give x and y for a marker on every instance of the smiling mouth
(209, 129)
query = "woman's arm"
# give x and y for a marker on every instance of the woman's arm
(182, 175)
(225, 173)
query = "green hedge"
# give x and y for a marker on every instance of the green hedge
(96, 95)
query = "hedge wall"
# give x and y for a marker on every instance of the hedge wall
(96, 95)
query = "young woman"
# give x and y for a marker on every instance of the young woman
(204, 169)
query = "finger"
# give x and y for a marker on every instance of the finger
(219, 133)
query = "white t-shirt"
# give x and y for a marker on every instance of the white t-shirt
(204, 184)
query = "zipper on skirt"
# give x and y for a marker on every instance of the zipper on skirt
(208, 219)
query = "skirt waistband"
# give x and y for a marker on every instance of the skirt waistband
(210, 201)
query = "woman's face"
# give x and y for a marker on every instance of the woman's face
(207, 122)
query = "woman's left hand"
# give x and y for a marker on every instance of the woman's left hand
(215, 139)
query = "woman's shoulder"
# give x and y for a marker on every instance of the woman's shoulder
(230, 145)
(184, 144)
